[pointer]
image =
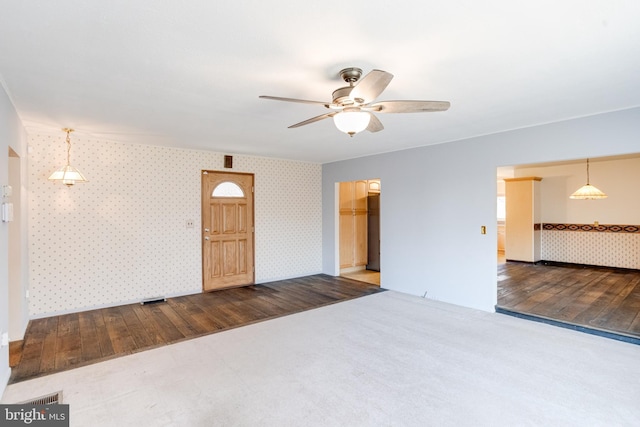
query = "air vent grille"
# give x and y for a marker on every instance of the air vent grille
(49, 399)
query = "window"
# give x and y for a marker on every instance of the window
(502, 212)
(227, 189)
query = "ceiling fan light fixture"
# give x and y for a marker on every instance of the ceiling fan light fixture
(351, 122)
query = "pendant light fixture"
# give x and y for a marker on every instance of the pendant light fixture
(68, 174)
(588, 191)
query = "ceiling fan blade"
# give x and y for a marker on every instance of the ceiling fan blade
(375, 125)
(409, 106)
(301, 101)
(313, 120)
(370, 86)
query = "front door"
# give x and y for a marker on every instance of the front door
(227, 230)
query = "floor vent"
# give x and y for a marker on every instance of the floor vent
(49, 399)
(153, 300)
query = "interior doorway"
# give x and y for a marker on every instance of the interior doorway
(570, 280)
(359, 230)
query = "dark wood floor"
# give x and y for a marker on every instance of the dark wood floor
(63, 342)
(594, 297)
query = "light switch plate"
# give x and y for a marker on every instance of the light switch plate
(7, 212)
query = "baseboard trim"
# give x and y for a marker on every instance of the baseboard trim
(522, 262)
(567, 325)
(574, 265)
(112, 304)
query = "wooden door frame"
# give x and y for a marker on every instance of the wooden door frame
(253, 221)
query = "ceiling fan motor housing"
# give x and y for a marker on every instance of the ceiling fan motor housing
(341, 96)
(351, 74)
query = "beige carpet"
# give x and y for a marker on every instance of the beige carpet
(383, 360)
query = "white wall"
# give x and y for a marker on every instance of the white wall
(122, 236)
(431, 216)
(11, 135)
(619, 179)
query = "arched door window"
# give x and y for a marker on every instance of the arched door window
(227, 189)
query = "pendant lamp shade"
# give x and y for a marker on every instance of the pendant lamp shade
(588, 191)
(67, 173)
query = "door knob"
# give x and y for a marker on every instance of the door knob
(206, 237)
(206, 230)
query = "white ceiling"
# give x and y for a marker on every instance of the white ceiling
(188, 74)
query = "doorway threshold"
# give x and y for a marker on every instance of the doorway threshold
(568, 325)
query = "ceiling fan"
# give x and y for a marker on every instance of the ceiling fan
(352, 106)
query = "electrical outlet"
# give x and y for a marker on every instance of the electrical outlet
(189, 223)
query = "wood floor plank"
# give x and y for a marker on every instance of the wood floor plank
(68, 344)
(166, 328)
(627, 302)
(95, 335)
(600, 297)
(285, 304)
(31, 362)
(196, 315)
(15, 352)
(121, 339)
(149, 325)
(295, 300)
(635, 325)
(135, 327)
(89, 342)
(597, 312)
(207, 311)
(187, 328)
(615, 306)
(48, 349)
(104, 340)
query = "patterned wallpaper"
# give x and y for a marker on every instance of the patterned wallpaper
(123, 236)
(608, 249)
